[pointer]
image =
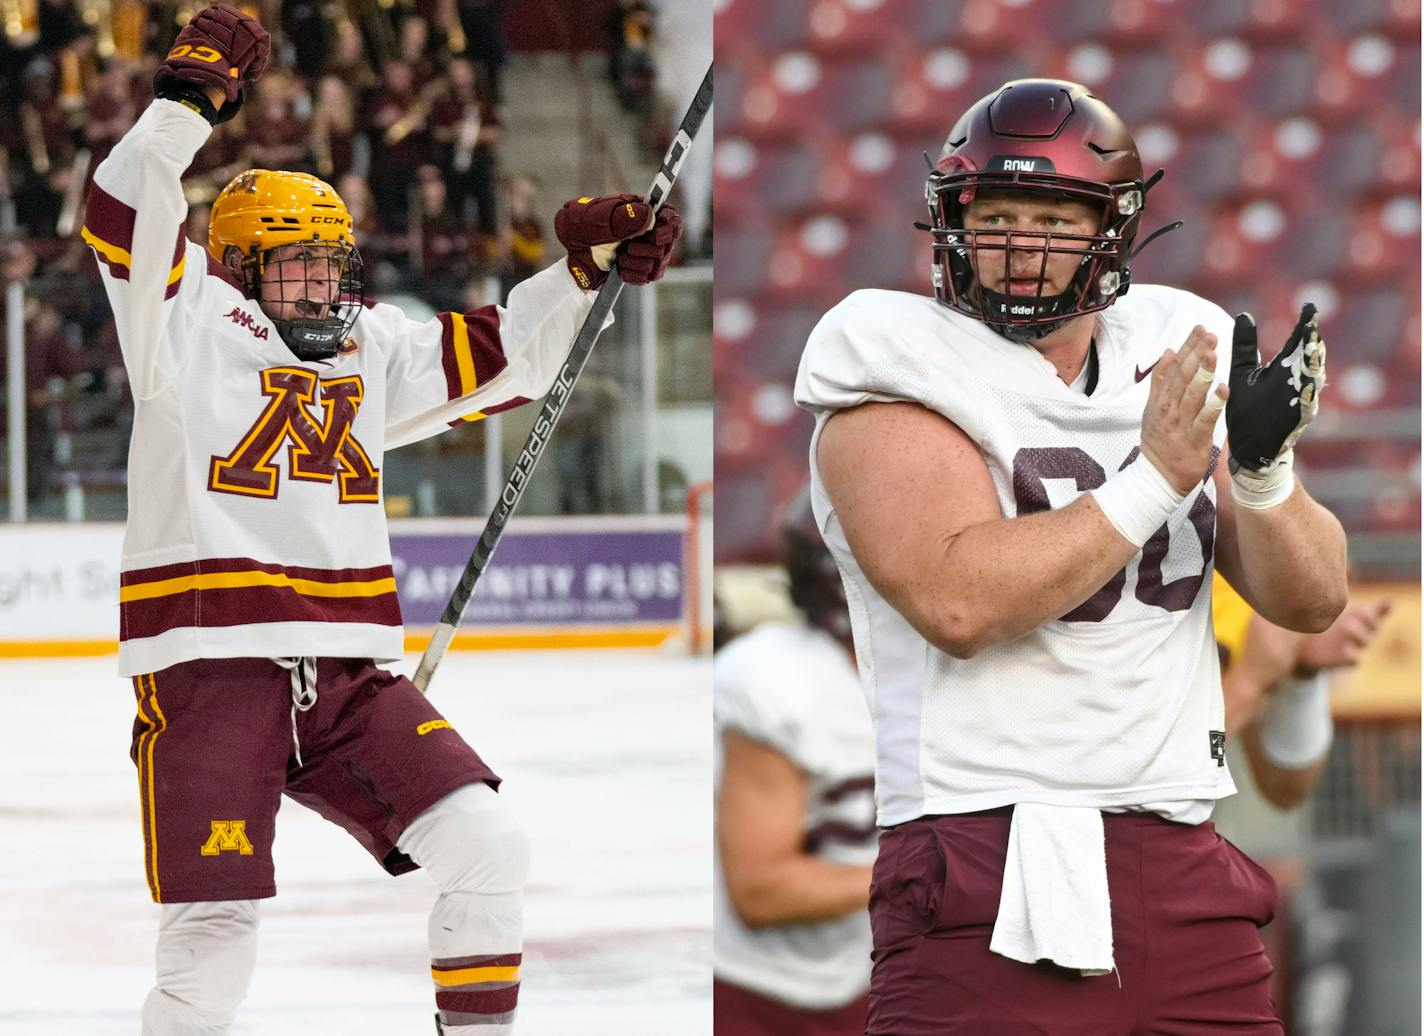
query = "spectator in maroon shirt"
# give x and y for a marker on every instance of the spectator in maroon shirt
(347, 56)
(277, 137)
(526, 246)
(466, 129)
(400, 140)
(337, 146)
(443, 251)
(415, 49)
(111, 109)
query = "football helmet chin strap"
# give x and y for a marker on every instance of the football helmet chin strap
(1048, 312)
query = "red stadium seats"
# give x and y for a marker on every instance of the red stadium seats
(762, 178)
(1362, 75)
(1228, 79)
(1258, 21)
(756, 26)
(1132, 23)
(871, 173)
(1339, 163)
(992, 26)
(740, 259)
(798, 90)
(1384, 241)
(1289, 130)
(933, 87)
(1138, 82)
(875, 27)
(1203, 164)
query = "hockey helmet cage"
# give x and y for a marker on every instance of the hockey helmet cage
(263, 209)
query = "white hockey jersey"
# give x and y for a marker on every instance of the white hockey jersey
(1118, 703)
(793, 687)
(256, 525)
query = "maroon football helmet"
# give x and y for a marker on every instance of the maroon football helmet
(1037, 135)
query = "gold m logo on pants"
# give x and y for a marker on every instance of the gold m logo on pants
(228, 835)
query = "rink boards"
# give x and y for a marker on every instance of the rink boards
(560, 582)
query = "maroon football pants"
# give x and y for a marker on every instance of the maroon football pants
(213, 743)
(737, 1011)
(1187, 907)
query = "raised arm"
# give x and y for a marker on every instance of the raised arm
(463, 366)
(1283, 698)
(1280, 549)
(135, 211)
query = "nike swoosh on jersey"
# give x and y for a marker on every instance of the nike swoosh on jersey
(1138, 373)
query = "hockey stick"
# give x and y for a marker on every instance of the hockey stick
(554, 403)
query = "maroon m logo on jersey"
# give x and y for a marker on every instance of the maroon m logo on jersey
(318, 450)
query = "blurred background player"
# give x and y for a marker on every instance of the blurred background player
(256, 598)
(1277, 689)
(794, 812)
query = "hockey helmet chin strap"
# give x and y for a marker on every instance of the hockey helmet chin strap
(314, 338)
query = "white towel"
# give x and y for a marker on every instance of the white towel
(1054, 905)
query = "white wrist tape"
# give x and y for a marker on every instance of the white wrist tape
(603, 254)
(1137, 500)
(1261, 490)
(1296, 728)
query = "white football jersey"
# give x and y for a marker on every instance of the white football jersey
(256, 525)
(1116, 704)
(793, 687)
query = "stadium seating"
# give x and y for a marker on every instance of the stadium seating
(1289, 130)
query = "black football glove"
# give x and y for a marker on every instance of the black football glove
(1271, 404)
(221, 48)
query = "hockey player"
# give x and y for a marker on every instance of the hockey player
(795, 815)
(1019, 479)
(257, 591)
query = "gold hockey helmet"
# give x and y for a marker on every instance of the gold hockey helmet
(263, 208)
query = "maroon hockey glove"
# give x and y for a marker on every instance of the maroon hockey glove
(221, 48)
(591, 228)
(645, 258)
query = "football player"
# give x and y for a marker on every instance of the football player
(257, 592)
(795, 815)
(1276, 686)
(1027, 487)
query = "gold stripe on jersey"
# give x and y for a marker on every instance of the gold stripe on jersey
(146, 783)
(118, 257)
(237, 580)
(469, 976)
(464, 360)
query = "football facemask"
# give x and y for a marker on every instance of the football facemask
(1039, 136)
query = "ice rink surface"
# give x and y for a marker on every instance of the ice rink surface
(606, 756)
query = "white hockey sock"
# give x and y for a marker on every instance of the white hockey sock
(206, 952)
(478, 855)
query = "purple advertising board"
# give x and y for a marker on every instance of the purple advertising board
(546, 571)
